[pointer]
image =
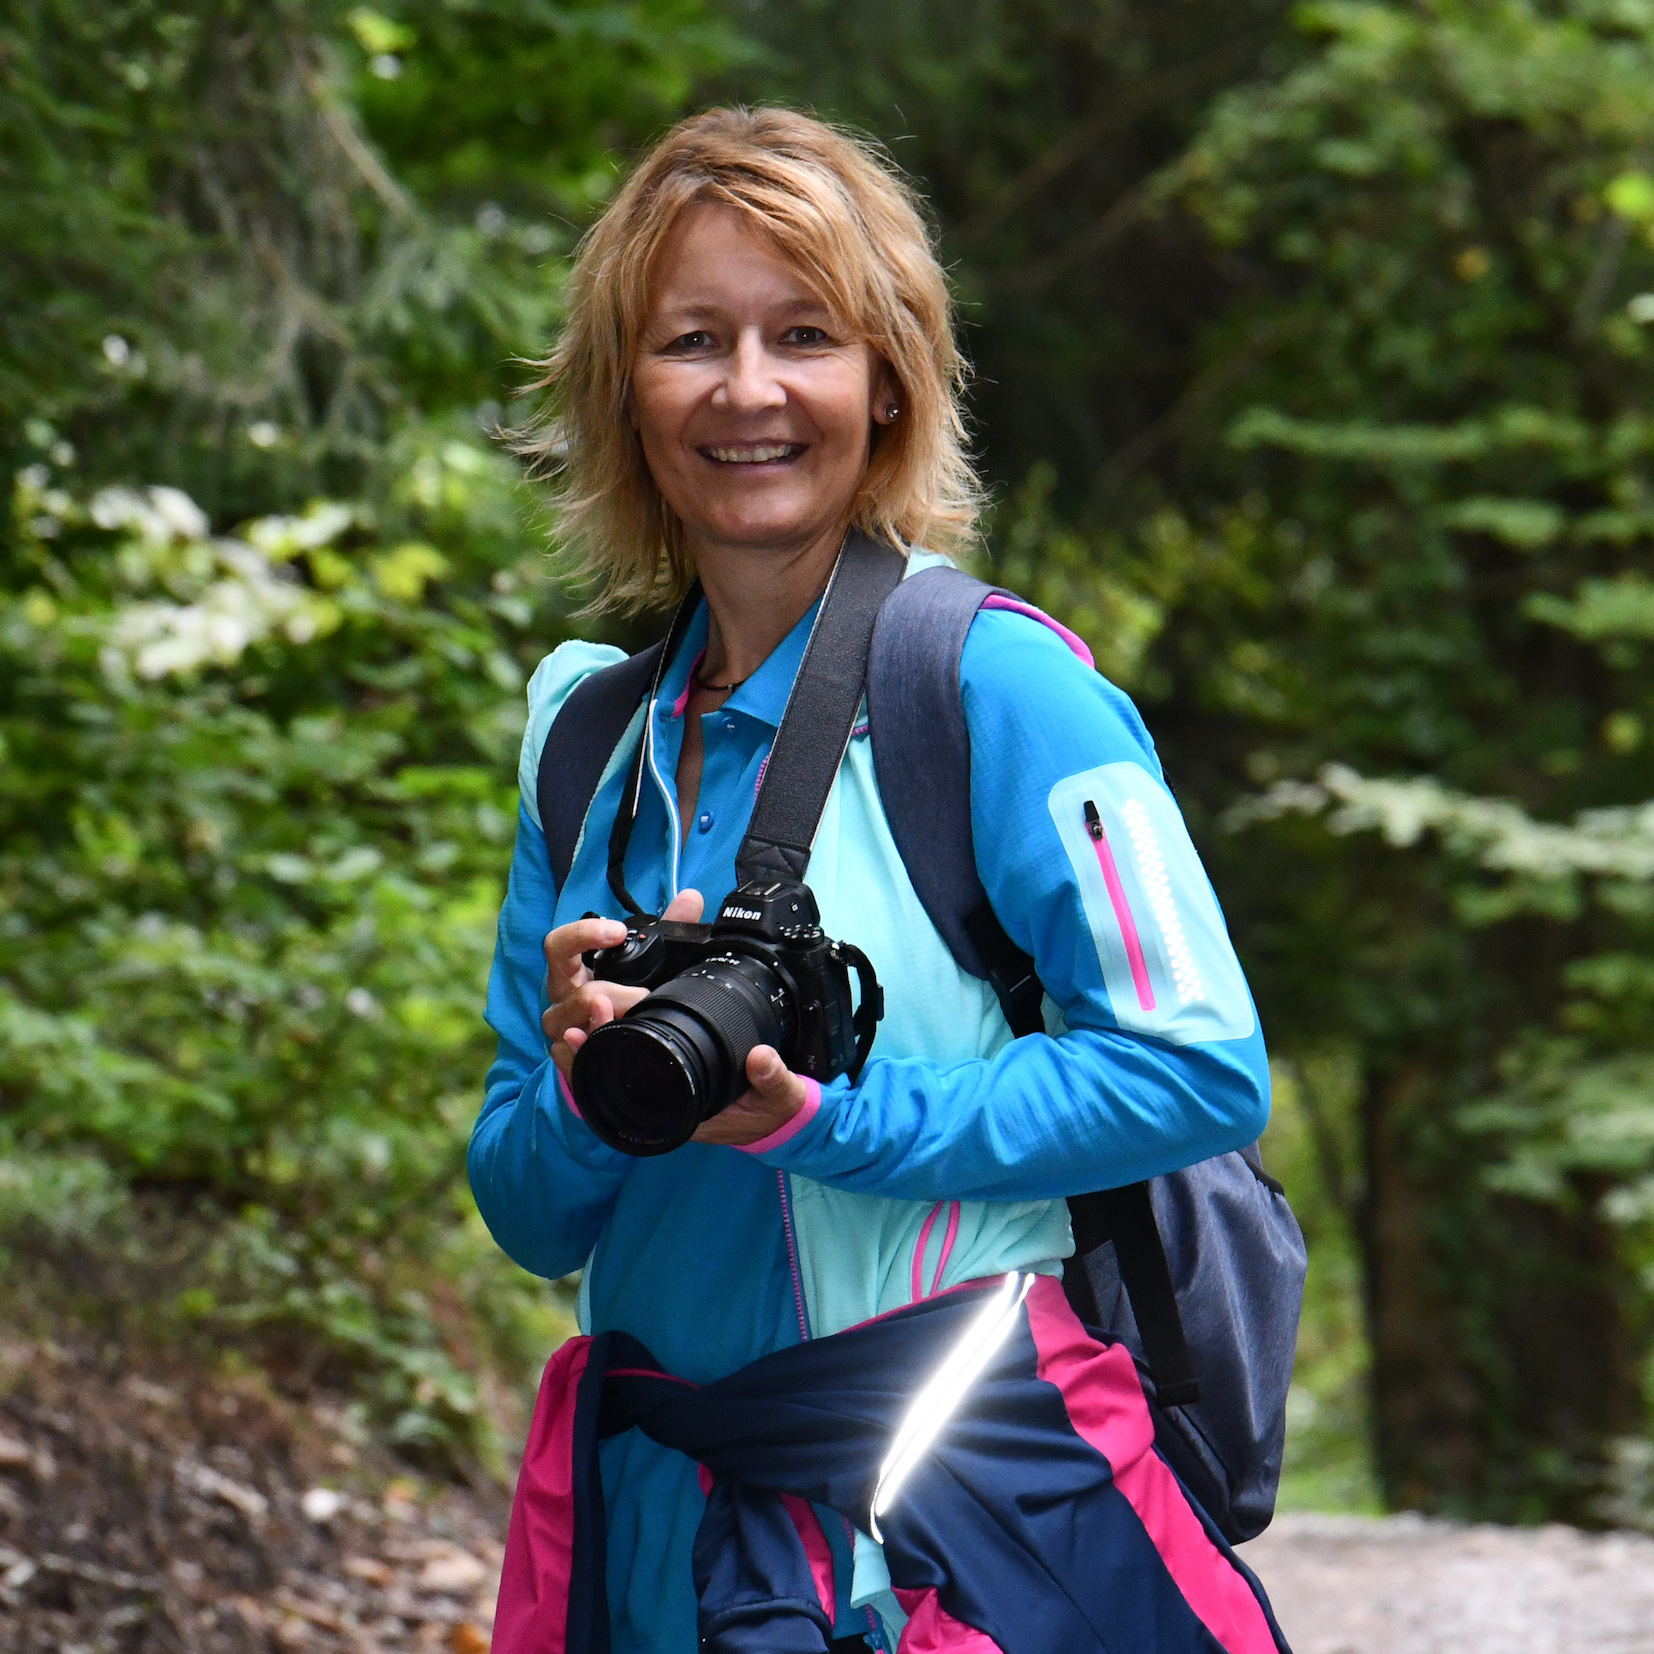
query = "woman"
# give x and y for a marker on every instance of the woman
(759, 357)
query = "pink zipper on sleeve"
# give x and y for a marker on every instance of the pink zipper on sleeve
(1122, 909)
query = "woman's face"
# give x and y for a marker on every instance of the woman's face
(752, 405)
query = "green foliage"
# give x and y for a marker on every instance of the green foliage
(1448, 409)
(257, 798)
(1037, 129)
(268, 599)
(1311, 1145)
(249, 242)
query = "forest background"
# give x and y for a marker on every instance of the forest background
(1313, 348)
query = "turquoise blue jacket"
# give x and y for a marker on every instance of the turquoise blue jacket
(948, 1160)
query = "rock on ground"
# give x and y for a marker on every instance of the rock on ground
(1408, 1585)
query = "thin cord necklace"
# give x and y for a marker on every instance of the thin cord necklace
(718, 688)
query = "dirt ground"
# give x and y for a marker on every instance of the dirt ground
(164, 1510)
(1404, 1585)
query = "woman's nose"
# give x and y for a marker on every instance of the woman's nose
(751, 384)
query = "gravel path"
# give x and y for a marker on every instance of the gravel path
(1405, 1585)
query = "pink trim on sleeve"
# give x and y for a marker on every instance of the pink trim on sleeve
(1107, 866)
(1104, 1399)
(1017, 606)
(784, 1134)
(568, 1097)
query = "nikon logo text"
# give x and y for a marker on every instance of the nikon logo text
(751, 913)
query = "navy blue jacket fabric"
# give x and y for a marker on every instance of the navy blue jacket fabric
(1041, 1520)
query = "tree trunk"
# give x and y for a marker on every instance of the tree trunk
(1501, 1366)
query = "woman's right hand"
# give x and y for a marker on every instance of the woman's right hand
(578, 1001)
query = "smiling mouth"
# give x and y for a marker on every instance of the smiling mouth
(752, 453)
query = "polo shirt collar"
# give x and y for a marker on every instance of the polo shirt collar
(764, 695)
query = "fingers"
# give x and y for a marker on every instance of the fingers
(686, 907)
(563, 1052)
(563, 946)
(573, 1037)
(770, 1077)
(776, 1095)
(578, 1002)
(589, 1006)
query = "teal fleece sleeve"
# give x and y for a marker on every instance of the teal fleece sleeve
(543, 1181)
(1155, 1060)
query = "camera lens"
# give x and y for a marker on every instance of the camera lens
(646, 1081)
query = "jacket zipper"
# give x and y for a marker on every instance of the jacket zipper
(792, 1256)
(1122, 909)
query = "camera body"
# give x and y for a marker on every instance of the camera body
(762, 973)
(773, 922)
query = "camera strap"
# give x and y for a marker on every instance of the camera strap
(821, 712)
(815, 727)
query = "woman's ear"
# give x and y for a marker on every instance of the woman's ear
(886, 397)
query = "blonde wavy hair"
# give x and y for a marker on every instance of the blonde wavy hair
(837, 208)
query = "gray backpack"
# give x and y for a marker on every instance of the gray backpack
(1200, 1272)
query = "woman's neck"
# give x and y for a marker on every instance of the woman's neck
(754, 598)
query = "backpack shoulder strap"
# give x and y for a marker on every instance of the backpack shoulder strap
(921, 748)
(579, 744)
(1126, 1217)
(922, 760)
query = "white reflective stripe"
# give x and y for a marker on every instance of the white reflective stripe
(937, 1402)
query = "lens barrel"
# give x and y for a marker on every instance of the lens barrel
(647, 1080)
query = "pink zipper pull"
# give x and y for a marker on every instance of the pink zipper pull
(1093, 821)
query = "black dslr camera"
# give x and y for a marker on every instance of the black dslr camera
(762, 973)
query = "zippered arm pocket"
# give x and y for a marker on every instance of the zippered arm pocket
(1167, 963)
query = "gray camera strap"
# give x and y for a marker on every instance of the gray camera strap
(821, 712)
(815, 728)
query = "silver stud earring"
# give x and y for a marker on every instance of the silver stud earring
(891, 410)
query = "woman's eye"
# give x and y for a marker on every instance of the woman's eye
(698, 340)
(805, 335)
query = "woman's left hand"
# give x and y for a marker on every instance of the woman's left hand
(776, 1094)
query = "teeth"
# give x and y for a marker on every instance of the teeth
(752, 455)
